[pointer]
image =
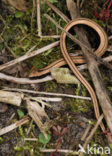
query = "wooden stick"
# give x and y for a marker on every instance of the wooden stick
(47, 99)
(24, 80)
(27, 56)
(82, 2)
(84, 66)
(33, 14)
(59, 150)
(52, 36)
(30, 127)
(46, 93)
(65, 18)
(30, 139)
(13, 98)
(8, 48)
(67, 33)
(39, 19)
(86, 132)
(78, 3)
(13, 126)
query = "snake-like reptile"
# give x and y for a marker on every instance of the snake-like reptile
(72, 60)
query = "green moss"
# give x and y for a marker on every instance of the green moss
(2, 140)
(51, 86)
(27, 147)
(23, 147)
(79, 105)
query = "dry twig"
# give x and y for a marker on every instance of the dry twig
(27, 55)
(13, 98)
(13, 126)
(33, 13)
(59, 150)
(81, 4)
(24, 80)
(65, 18)
(67, 33)
(39, 19)
(86, 132)
(46, 93)
(29, 129)
(30, 139)
(84, 66)
(47, 99)
(52, 36)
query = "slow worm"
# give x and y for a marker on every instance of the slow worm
(72, 60)
(99, 52)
